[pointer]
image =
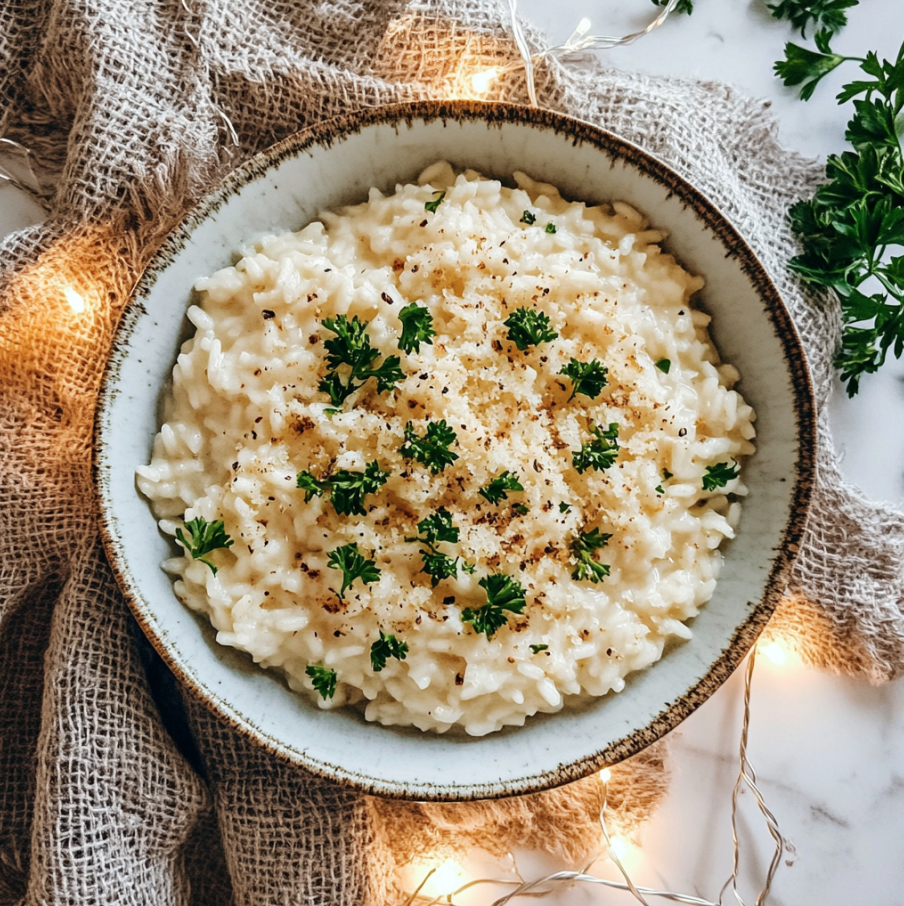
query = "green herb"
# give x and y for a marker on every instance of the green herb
(385, 647)
(329, 412)
(589, 378)
(664, 365)
(824, 15)
(347, 489)
(437, 528)
(433, 448)
(438, 566)
(203, 538)
(354, 565)
(528, 327)
(599, 453)
(431, 206)
(808, 67)
(323, 679)
(499, 487)
(468, 567)
(660, 489)
(550, 227)
(417, 327)
(528, 218)
(520, 509)
(719, 475)
(434, 530)
(351, 349)
(853, 221)
(584, 545)
(682, 6)
(666, 474)
(564, 507)
(504, 595)
(536, 649)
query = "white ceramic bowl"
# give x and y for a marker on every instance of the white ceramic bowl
(335, 164)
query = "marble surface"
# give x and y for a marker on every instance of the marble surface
(829, 751)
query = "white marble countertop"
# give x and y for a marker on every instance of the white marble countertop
(829, 751)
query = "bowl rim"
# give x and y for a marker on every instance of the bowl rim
(489, 112)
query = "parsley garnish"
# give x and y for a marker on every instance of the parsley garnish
(431, 206)
(433, 448)
(204, 537)
(433, 530)
(550, 227)
(582, 549)
(385, 647)
(536, 649)
(825, 15)
(664, 365)
(564, 507)
(438, 566)
(528, 218)
(503, 594)
(437, 527)
(351, 349)
(589, 378)
(719, 475)
(528, 327)
(599, 453)
(347, 489)
(521, 509)
(323, 679)
(808, 67)
(666, 474)
(682, 6)
(499, 487)
(417, 327)
(354, 565)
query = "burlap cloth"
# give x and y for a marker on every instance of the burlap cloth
(112, 787)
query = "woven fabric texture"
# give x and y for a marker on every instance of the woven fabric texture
(113, 788)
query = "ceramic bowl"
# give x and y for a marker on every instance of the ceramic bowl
(335, 164)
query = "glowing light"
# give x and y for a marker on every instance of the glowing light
(447, 876)
(619, 847)
(605, 775)
(76, 302)
(480, 81)
(774, 652)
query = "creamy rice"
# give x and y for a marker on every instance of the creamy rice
(245, 417)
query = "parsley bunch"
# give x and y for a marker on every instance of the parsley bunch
(351, 351)
(582, 548)
(347, 489)
(529, 327)
(433, 448)
(434, 530)
(599, 453)
(203, 538)
(354, 565)
(504, 595)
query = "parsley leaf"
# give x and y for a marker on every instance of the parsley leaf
(354, 565)
(417, 327)
(664, 365)
(385, 647)
(521, 509)
(323, 679)
(719, 475)
(682, 6)
(347, 489)
(550, 227)
(203, 538)
(529, 327)
(438, 527)
(825, 15)
(499, 487)
(528, 218)
(599, 453)
(431, 206)
(351, 349)
(564, 507)
(538, 648)
(589, 378)
(503, 594)
(438, 566)
(806, 67)
(433, 530)
(582, 548)
(433, 448)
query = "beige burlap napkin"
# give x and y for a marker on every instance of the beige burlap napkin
(112, 788)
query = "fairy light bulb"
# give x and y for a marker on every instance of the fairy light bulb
(605, 775)
(75, 300)
(446, 877)
(480, 81)
(775, 652)
(619, 847)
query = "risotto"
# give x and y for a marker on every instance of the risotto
(454, 456)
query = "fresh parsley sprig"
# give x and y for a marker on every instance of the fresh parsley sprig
(354, 565)
(718, 475)
(203, 538)
(437, 527)
(431, 206)
(582, 547)
(347, 489)
(351, 351)
(432, 450)
(824, 15)
(504, 595)
(808, 68)
(529, 327)
(499, 487)
(588, 378)
(417, 327)
(323, 679)
(683, 6)
(599, 453)
(385, 647)
(433, 530)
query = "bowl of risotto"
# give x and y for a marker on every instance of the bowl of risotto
(454, 450)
